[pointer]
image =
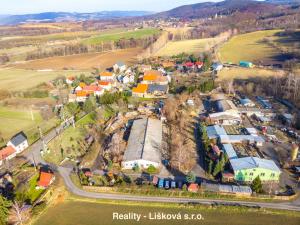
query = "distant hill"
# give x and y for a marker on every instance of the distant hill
(284, 2)
(66, 16)
(207, 9)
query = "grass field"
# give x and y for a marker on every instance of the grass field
(115, 36)
(84, 61)
(69, 142)
(244, 73)
(85, 213)
(12, 79)
(13, 120)
(254, 47)
(189, 46)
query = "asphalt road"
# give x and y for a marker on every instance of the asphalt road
(34, 155)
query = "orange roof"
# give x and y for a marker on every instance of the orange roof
(104, 83)
(45, 179)
(193, 187)
(71, 78)
(81, 94)
(7, 151)
(141, 88)
(106, 74)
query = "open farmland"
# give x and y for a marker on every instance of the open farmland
(245, 73)
(136, 34)
(260, 47)
(188, 46)
(19, 79)
(83, 61)
(85, 213)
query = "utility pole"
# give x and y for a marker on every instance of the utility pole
(42, 138)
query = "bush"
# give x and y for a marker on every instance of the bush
(151, 169)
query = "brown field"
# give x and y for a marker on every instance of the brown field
(84, 61)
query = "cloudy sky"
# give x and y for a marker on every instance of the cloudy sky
(36, 6)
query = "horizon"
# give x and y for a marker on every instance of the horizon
(22, 7)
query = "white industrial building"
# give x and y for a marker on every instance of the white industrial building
(144, 144)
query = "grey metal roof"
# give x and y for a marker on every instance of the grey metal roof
(144, 141)
(18, 139)
(230, 152)
(155, 87)
(252, 163)
(215, 131)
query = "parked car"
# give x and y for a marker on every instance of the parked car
(173, 184)
(180, 184)
(161, 183)
(167, 184)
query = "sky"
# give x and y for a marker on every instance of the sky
(37, 6)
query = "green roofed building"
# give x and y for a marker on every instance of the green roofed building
(248, 168)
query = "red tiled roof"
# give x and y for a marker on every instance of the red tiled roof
(92, 88)
(7, 151)
(198, 63)
(189, 64)
(193, 187)
(45, 179)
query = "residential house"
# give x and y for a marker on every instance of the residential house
(144, 144)
(107, 76)
(106, 85)
(93, 90)
(119, 67)
(154, 77)
(199, 64)
(225, 118)
(19, 142)
(156, 90)
(81, 96)
(128, 79)
(70, 80)
(7, 153)
(140, 90)
(45, 180)
(248, 168)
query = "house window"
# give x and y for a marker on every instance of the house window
(262, 174)
(251, 174)
(272, 174)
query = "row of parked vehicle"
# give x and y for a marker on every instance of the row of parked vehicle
(166, 183)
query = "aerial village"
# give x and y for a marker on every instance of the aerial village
(232, 144)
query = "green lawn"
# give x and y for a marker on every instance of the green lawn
(254, 47)
(120, 35)
(85, 213)
(70, 141)
(14, 120)
(32, 192)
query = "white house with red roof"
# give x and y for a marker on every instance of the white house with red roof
(106, 85)
(7, 153)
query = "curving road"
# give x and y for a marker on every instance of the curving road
(34, 156)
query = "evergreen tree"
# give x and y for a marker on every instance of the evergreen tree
(256, 185)
(190, 177)
(4, 209)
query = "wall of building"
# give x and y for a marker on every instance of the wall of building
(248, 175)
